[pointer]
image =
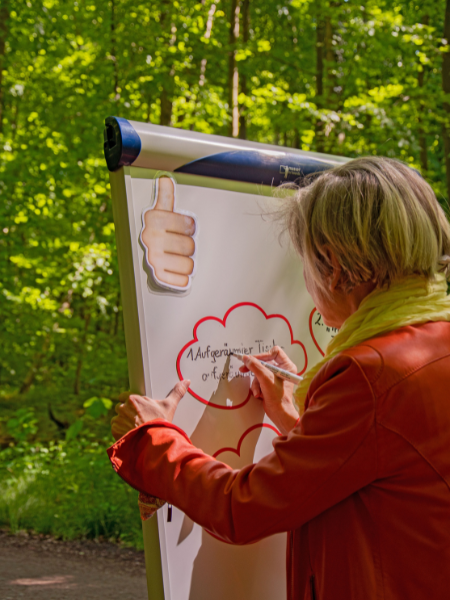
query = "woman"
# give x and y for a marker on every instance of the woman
(361, 480)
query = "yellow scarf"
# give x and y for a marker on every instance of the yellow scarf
(411, 301)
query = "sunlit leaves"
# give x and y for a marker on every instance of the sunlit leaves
(64, 72)
(97, 407)
(381, 93)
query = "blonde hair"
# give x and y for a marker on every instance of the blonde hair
(378, 216)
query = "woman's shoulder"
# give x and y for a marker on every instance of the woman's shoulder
(390, 358)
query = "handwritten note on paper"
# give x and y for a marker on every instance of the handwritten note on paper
(207, 360)
(321, 333)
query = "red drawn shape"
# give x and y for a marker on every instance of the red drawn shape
(243, 436)
(238, 452)
(223, 323)
(312, 332)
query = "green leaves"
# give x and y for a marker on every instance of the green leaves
(63, 71)
(22, 425)
(67, 489)
(97, 407)
(65, 66)
(73, 431)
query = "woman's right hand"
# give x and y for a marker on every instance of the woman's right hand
(276, 393)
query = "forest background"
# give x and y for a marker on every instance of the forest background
(346, 77)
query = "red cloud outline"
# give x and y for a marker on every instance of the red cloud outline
(223, 323)
(312, 333)
(243, 436)
(238, 452)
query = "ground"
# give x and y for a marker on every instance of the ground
(42, 568)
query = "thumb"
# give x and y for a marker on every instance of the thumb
(179, 391)
(165, 194)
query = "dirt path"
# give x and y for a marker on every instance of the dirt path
(42, 568)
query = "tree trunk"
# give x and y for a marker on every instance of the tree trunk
(113, 49)
(117, 316)
(15, 117)
(244, 88)
(203, 63)
(233, 74)
(421, 111)
(276, 137)
(166, 96)
(149, 108)
(325, 64)
(422, 135)
(4, 16)
(329, 55)
(209, 26)
(166, 107)
(320, 47)
(330, 101)
(35, 366)
(77, 382)
(446, 89)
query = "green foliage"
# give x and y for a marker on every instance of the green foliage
(22, 425)
(74, 430)
(67, 65)
(67, 489)
(97, 407)
(339, 76)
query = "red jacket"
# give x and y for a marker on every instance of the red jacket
(361, 484)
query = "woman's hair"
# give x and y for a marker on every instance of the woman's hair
(378, 216)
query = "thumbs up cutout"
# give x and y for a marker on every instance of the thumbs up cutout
(168, 239)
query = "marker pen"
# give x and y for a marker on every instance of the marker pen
(281, 373)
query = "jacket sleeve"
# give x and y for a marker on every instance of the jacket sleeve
(330, 454)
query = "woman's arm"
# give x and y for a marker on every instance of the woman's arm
(329, 455)
(275, 393)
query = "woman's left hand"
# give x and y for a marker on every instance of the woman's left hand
(134, 410)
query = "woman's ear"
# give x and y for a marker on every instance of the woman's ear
(335, 278)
